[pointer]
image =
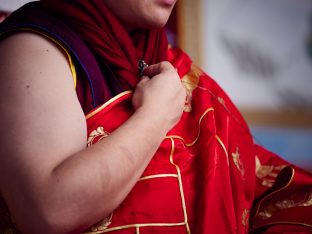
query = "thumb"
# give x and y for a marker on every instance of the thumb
(158, 68)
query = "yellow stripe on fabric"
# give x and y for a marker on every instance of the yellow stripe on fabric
(180, 186)
(97, 110)
(158, 176)
(224, 149)
(198, 134)
(137, 226)
(276, 191)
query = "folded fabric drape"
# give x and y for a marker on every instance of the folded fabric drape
(117, 51)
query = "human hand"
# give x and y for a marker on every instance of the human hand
(160, 94)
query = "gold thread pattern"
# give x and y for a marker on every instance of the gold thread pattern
(267, 173)
(238, 163)
(97, 110)
(198, 134)
(97, 133)
(140, 225)
(245, 217)
(268, 211)
(190, 82)
(102, 225)
(276, 191)
(221, 101)
(224, 149)
(158, 176)
(180, 186)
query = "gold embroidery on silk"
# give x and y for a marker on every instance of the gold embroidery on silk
(269, 210)
(285, 204)
(97, 133)
(224, 149)
(264, 171)
(97, 110)
(238, 163)
(102, 225)
(199, 123)
(245, 217)
(267, 183)
(158, 176)
(180, 186)
(190, 82)
(309, 201)
(105, 223)
(198, 134)
(140, 225)
(222, 102)
(101, 133)
(266, 212)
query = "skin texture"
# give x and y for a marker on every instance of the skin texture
(49, 180)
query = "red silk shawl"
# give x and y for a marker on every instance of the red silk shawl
(207, 176)
(116, 51)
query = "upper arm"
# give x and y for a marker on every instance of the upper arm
(41, 121)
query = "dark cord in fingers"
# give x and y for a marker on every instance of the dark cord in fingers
(141, 66)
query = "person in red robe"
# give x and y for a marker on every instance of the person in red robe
(149, 144)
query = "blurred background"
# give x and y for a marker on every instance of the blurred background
(260, 52)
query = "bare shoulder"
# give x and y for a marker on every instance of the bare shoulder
(28, 58)
(27, 51)
(42, 122)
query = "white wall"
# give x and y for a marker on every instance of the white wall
(10, 5)
(257, 51)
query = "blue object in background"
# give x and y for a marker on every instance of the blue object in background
(292, 144)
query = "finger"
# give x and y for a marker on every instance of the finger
(158, 68)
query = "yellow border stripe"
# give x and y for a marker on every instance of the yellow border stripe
(137, 226)
(137, 230)
(276, 191)
(180, 185)
(199, 122)
(97, 110)
(158, 176)
(224, 149)
(198, 134)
